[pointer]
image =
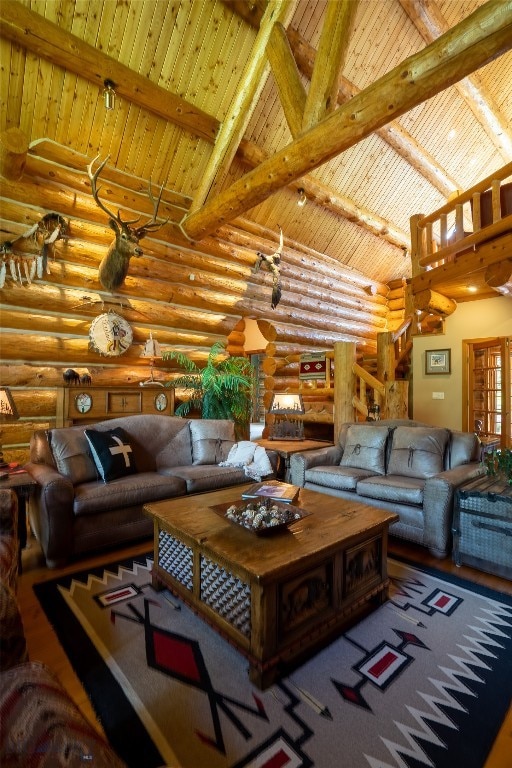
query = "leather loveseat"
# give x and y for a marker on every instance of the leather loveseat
(40, 723)
(73, 511)
(400, 465)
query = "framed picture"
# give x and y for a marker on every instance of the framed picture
(437, 361)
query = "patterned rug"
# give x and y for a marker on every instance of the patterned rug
(425, 680)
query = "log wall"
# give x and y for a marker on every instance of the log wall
(188, 294)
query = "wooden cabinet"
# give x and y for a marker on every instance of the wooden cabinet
(85, 405)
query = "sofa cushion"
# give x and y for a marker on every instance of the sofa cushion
(342, 478)
(202, 477)
(403, 490)
(365, 448)
(212, 439)
(42, 726)
(463, 448)
(417, 451)
(13, 647)
(71, 454)
(130, 491)
(112, 453)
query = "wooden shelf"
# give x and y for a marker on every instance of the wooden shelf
(111, 403)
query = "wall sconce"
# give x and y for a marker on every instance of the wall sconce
(152, 350)
(8, 412)
(301, 202)
(287, 409)
(109, 94)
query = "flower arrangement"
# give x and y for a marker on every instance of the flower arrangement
(499, 464)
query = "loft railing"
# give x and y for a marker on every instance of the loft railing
(473, 217)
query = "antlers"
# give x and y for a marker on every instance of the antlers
(137, 232)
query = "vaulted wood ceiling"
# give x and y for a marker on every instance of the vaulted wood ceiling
(208, 90)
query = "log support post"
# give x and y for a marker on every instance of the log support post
(396, 400)
(344, 359)
(385, 357)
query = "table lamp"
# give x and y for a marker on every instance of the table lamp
(8, 412)
(152, 350)
(287, 409)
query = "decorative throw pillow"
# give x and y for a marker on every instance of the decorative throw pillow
(365, 448)
(212, 439)
(69, 448)
(417, 451)
(112, 453)
(241, 453)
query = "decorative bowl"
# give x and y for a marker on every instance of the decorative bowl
(260, 516)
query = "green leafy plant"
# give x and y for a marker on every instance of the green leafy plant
(499, 464)
(222, 389)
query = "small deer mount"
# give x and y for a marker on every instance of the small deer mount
(114, 265)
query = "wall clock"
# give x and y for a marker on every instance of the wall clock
(110, 334)
(161, 402)
(83, 402)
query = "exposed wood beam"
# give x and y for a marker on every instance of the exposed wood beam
(327, 198)
(156, 100)
(330, 59)
(32, 31)
(292, 93)
(477, 40)
(393, 134)
(430, 23)
(240, 111)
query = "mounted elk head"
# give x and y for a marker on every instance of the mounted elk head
(114, 265)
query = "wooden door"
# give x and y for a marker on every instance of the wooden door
(488, 388)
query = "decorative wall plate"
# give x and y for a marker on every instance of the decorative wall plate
(110, 334)
(161, 402)
(83, 402)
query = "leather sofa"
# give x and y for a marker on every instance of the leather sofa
(40, 724)
(401, 465)
(73, 511)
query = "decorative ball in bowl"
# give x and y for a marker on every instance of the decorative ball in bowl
(260, 516)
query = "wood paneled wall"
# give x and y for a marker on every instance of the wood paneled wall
(188, 294)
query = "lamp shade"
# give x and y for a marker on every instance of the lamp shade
(286, 404)
(8, 410)
(287, 409)
(152, 349)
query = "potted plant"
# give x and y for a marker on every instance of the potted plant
(499, 464)
(222, 389)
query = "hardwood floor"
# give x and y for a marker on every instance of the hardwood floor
(44, 646)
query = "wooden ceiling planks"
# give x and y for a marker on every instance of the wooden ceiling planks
(188, 45)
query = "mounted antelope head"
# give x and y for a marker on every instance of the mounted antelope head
(114, 265)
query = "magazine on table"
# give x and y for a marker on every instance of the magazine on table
(272, 489)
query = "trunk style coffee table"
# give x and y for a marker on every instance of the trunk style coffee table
(281, 596)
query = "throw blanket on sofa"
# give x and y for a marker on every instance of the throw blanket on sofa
(252, 457)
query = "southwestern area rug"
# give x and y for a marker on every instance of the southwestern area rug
(425, 680)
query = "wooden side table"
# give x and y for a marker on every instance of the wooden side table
(488, 445)
(286, 448)
(482, 526)
(23, 485)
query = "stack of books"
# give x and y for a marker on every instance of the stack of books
(272, 489)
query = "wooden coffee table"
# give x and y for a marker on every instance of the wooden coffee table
(279, 597)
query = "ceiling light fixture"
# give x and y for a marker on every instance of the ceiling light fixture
(301, 202)
(109, 94)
